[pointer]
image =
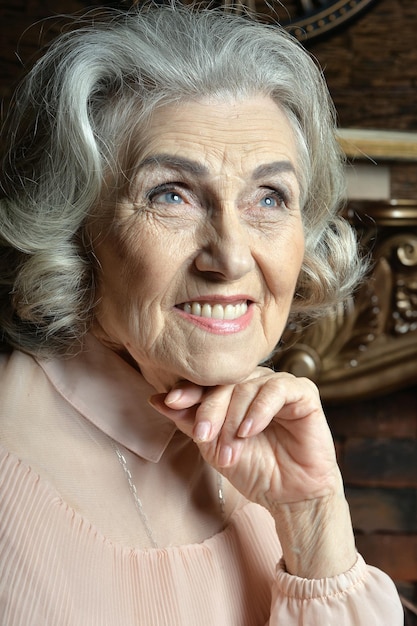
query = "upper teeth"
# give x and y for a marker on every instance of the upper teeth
(216, 311)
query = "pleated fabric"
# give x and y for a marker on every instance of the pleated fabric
(56, 569)
(67, 522)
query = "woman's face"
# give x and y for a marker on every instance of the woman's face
(200, 262)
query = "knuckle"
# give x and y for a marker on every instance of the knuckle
(263, 405)
(245, 389)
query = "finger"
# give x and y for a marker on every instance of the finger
(216, 403)
(201, 422)
(221, 414)
(183, 418)
(184, 395)
(211, 413)
(269, 400)
(224, 409)
(283, 396)
(240, 416)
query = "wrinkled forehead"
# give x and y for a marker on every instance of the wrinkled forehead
(218, 131)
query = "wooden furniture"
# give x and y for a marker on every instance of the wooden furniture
(368, 346)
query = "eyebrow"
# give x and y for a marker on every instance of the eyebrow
(176, 162)
(194, 167)
(270, 169)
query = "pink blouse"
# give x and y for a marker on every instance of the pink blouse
(69, 553)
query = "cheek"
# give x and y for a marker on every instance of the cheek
(140, 268)
(283, 264)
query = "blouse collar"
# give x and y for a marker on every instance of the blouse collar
(112, 395)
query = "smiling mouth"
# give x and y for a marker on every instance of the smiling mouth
(215, 311)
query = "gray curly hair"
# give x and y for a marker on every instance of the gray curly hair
(71, 125)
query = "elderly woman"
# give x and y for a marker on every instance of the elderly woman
(171, 183)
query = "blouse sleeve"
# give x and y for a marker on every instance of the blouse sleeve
(360, 597)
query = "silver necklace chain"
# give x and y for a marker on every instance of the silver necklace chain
(133, 491)
(138, 502)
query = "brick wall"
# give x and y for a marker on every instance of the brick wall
(376, 442)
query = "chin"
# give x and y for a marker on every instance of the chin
(221, 376)
(223, 368)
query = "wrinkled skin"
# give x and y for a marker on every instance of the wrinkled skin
(268, 435)
(212, 215)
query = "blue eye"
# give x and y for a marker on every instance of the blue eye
(168, 197)
(273, 200)
(269, 201)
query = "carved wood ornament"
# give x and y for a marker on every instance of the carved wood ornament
(314, 18)
(369, 345)
(305, 19)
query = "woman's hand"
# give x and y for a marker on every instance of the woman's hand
(267, 435)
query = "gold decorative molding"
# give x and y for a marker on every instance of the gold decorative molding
(369, 345)
(378, 144)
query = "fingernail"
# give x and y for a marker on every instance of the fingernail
(173, 396)
(245, 428)
(202, 431)
(225, 456)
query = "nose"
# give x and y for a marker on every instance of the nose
(226, 253)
